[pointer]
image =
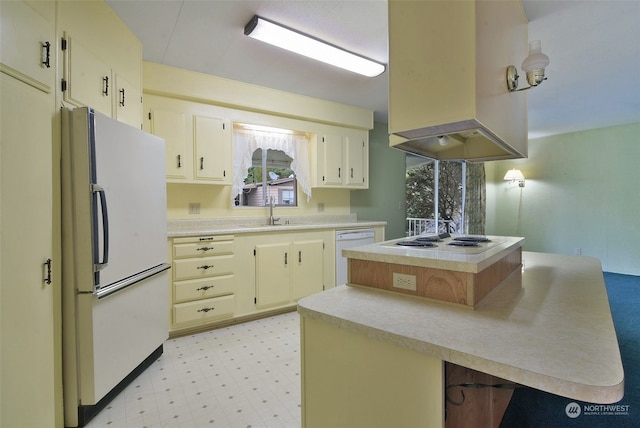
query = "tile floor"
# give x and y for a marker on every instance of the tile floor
(246, 375)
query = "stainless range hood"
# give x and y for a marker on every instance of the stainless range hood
(448, 97)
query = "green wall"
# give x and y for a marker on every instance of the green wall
(582, 195)
(384, 200)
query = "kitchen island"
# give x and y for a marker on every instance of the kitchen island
(375, 358)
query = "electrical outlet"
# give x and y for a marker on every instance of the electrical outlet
(578, 251)
(406, 282)
(194, 208)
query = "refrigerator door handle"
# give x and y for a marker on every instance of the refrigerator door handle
(141, 276)
(98, 266)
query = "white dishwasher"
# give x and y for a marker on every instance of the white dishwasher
(348, 238)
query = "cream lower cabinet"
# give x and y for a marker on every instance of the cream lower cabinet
(203, 287)
(289, 269)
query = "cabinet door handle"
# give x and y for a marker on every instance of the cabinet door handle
(299, 256)
(179, 161)
(351, 172)
(105, 86)
(339, 173)
(46, 53)
(47, 272)
(205, 267)
(205, 310)
(205, 287)
(286, 255)
(122, 97)
(202, 163)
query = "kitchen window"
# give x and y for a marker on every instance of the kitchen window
(269, 162)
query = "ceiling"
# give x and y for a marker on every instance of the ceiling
(594, 48)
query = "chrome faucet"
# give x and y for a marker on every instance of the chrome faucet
(272, 219)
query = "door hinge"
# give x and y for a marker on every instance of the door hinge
(63, 44)
(63, 85)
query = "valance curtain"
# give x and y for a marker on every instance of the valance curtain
(296, 146)
(476, 199)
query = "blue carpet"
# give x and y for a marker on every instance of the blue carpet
(535, 409)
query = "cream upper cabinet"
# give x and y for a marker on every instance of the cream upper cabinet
(127, 100)
(27, 42)
(88, 80)
(102, 61)
(332, 147)
(212, 140)
(167, 120)
(197, 137)
(341, 160)
(356, 162)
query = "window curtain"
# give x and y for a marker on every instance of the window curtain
(296, 146)
(475, 199)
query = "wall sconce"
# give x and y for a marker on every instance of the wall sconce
(533, 65)
(302, 44)
(514, 175)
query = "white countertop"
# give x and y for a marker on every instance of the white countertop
(554, 332)
(223, 226)
(458, 259)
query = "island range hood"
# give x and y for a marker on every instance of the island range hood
(448, 96)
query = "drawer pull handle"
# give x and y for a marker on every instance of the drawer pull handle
(205, 287)
(210, 238)
(205, 248)
(205, 267)
(205, 310)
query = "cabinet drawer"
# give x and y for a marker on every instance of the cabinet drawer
(203, 310)
(202, 288)
(202, 267)
(201, 249)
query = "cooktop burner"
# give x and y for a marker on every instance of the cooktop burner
(416, 243)
(464, 243)
(472, 239)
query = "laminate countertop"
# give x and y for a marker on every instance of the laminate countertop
(548, 327)
(223, 226)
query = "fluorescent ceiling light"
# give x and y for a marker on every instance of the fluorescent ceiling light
(285, 38)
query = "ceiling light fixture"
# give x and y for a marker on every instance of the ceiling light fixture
(294, 41)
(514, 175)
(533, 65)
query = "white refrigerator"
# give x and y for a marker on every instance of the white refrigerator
(115, 272)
